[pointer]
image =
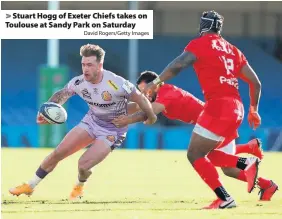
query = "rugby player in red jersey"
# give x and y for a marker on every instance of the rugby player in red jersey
(218, 64)
(177, 104)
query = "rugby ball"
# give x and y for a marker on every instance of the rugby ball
(53, 113)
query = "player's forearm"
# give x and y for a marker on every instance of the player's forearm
(137, 117)
(248, 75)
(176, 66)
(146, 107)
(173, 69)
(132, 108)
(255, 92)
(61, 96)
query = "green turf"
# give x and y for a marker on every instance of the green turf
(130, 185)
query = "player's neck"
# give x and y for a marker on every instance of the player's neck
(209, 33)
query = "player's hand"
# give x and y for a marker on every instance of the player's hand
(40, 119)
(149, 88)
(254, 118)
(121, 121)
(151, 120)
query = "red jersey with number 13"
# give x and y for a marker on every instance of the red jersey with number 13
(217, 66)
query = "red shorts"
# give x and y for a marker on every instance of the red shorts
(222, 117)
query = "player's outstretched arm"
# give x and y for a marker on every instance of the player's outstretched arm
(138, 116)
(248, 75)
(132, 108)
(144, 105)
(177, 65)
(141, 116)
(61, 96)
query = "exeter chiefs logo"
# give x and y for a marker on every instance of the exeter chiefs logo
(111, 138)
(106, 96)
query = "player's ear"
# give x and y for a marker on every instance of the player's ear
(100, 65)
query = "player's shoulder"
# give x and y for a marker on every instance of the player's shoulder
(114, 77)
(169, 88)
(117, 82)
(195, 46)
(76, 81)
(166, 87)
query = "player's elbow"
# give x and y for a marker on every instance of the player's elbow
(257, 85)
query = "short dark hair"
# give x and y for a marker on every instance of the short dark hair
(92, 50)
(147, 77)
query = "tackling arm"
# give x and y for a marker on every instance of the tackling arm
(143, 103)
(138, 116)
(177, 65)
(132, 108)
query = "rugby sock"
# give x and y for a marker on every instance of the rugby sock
(80, 182)
(243, 148)
(242, 176)
(209, 174)
(221, 193)
(242, 164)
(221, 159)
(264, 183)
(39, 175)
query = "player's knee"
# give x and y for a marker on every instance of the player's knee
(194, 153)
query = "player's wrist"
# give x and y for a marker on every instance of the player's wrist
(129, 120)
(157, 81)
(253, 109)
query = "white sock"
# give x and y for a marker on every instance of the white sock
(34, 181)
(80, 183)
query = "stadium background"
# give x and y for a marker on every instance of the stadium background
(255, 27)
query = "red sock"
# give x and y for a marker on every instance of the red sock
(242, 176)
(221, 159)
(243, 148)
(207, 172)
(264, 183)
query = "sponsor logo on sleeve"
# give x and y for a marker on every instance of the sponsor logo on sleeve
(112, 84)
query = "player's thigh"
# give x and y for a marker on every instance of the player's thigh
(76, 139)
(202, 141)
(96, 153)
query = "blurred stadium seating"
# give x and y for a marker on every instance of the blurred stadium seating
(21, 60)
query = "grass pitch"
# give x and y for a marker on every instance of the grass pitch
(130, 185)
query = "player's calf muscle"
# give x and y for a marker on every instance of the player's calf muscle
(51, 161)
(231, 172)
